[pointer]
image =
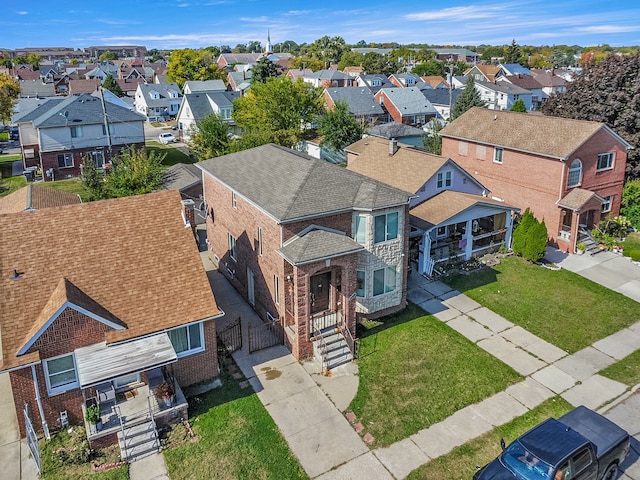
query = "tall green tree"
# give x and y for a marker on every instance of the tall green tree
(92, 178)
(107, 56)
(520, 232)
(210, 138)
(339, 128)
(469, 98)
(432, 141)
(519, 106)
(607, 91)
(263, 69)
(279, 110)
(9, 91)
(133, 172)
(328, 49)
(188, 64)
(630, 206)
(513, 54)
(113, 86)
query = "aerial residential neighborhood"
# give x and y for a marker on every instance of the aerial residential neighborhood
(319, 261)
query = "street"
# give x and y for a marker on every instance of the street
(627, 415)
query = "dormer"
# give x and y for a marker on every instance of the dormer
(154, 94)
(173, 93)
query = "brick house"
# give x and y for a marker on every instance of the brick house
(406, 105)
(568, 172)
(58, 135)
(123, 306)
(306, 242)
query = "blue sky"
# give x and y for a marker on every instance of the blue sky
(199, 23)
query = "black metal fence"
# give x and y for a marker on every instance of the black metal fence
(265, 335)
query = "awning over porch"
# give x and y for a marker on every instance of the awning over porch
(316, 245)
(101, 362)
(577, 198)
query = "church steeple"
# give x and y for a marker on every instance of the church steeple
(267, 50)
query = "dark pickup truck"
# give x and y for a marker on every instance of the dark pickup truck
(581, 445)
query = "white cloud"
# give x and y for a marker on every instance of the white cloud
(451, 13)
(22, 12)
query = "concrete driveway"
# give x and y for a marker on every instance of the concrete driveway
(606, 268)
(627, 415)
(15, 458)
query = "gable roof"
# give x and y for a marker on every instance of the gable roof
(514, 69)
(502, 86)
(409, 101)
(436, 81)
(553, 137)
(103, 268)
(257, 174)
(35, 197)
(394, 130)
(36, 88)
(181, 176)
(523, 81)
(577, 198)
(164, 93)
(446, 204)
(407, 169)
(201, 103)
(489, 71)
(360, 99)
(440, 96)
(316, 244)
(192, 86)
(83, 86)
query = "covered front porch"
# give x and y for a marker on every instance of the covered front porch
(580, 212)
(128, 384)
(459, 226)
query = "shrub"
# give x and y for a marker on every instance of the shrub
(520, 232)
(581, 246)
(633, 254)
(536, 242)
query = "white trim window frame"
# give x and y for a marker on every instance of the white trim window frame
(574, 178)
(389, 283)
(188, 343)
(66, 382)
(232, 247)
(276, 289)
(260, 241)
(606, 205)
(607, 158)
(498, 154)
(234, 200)
(444, 179)
(360, 228)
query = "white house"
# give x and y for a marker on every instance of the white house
(196, 106)
(158, 101)
(501, 95)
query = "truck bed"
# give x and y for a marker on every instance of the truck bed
(603, 433)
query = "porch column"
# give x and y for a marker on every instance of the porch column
(425, 254)
(509, 226)
(468, 236)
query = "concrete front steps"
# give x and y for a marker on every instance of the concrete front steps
(140, 440)
(331, 349)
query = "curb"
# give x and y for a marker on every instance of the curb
(619, 400)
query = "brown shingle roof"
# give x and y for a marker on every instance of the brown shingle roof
(445, 205)
(576, 198)
(408, 169)
(549, 136)
(36, 197)
(131, 258)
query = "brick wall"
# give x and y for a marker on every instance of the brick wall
(202, 366)
(527, 180)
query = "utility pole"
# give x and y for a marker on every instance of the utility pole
(450, 75)
(106, 122)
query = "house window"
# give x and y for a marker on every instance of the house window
(444, 179)
(605, 161)
(441, 231)
(259, 241)
(98, 158)
(606, 205)
(360, 229)
(462, 148)
(497, 154)
(386, 227)
(225, 113)
(76, 132)
(65, 160)
(376, 82)
(276, 289)
(111, 130)
(411, 81)
(234, 200)
(187, 340)
(384, 280)
(361, 278)
(232, 246)
(60, 373)
(575, 173)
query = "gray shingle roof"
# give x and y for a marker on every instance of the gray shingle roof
(204, 86)
(163, 90)
(504, 87)
(318, 245)
(200, 103)
(181, 175)
(360, 100)
(290, 185)
(410, 101)
(440, 96)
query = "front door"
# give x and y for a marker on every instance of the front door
(586, 219)
(319, 292)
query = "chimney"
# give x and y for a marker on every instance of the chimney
(393, 146)
(189, 214)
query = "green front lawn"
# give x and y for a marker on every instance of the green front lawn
(460, 463)
(11, 184)
(238, 439)
(72, 185)
(173, 154)
(632, 246)
(10, 158)
(560, 307)
(416, 371)
(626, 371)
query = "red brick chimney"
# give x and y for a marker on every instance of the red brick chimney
(189, 214)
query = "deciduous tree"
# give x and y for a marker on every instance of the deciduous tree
(263, 69)
(210, 138)
(188, 64)
(108, 55)
(339, 128)
(9, 91)
(432, 141)
(328, 49)
(133, 172)
(279, 110)
(630, 207)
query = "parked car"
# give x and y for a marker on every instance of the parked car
(166, 138)
(14, 133)
(580, 445)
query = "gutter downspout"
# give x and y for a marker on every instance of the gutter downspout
(45, 427)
